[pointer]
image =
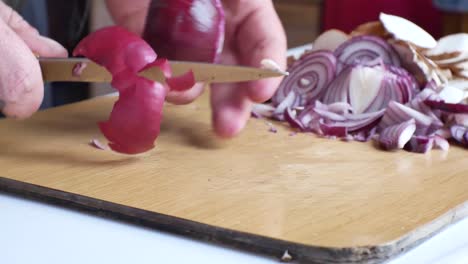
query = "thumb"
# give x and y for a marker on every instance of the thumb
(21, 86)
(42, 46)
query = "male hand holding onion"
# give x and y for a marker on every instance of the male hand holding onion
(253, 32)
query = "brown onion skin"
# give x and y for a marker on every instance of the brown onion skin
(189, 30)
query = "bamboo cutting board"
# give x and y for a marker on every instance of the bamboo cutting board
(322, 200)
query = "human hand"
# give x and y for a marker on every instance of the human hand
(253, 32)
(21, 85)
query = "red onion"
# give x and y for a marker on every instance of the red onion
(308, 78)
(370, 88)
(290, 116)
(97, 144)
(460, 134)
(365, 49)
(116, 49)
(396, 136)
(441, 143)
(397, 113)
(262, 110)
(78, 69)
(452, 108)
(420, 144)
(134, 123)
(191, 30)
(333, 131)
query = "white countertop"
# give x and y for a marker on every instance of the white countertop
(39, 233)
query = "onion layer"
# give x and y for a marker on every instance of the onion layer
(308, 78)
(134, 123)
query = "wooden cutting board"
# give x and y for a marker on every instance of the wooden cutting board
(322, 200)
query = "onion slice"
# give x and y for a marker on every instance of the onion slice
(134, 123)
(396, 136)
(452, 108)
(365, 49)
(460, 134)
(308, 78)
(420, 144)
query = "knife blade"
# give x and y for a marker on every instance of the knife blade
(61, 70)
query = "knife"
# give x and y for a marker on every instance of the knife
(61, 70)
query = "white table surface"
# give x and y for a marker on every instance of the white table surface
(36, 232)
(39, 233)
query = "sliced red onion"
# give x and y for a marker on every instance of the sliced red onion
(333, 130)
(444, 133)
(460, 134)
(290, 101)
(451, 94)
(97, 144)
(271, 128)
(461, 119)
(262, 110)
(182, 82)
(340, 108)
(353, 122)
(397, 113)
(338, 89)
(370, 88)
(452, 108)
(364, 49)
(134, 123)
(162, 64)
(364, 136)
(420, 144)
(308, 78)
(396, 136)
(309, 119)
(365, 122)
(290, 116)
(441, 143)
(116, 49)
(418, 103)
(78, 69)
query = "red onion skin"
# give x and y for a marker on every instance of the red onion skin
(452, 108)
(191, 30)
(134, 123)
(182, 82)
(116, 49)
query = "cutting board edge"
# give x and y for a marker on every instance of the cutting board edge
(263, 245)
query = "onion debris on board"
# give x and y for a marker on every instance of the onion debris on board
(389, 81)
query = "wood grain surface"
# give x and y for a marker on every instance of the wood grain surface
(322, 200)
